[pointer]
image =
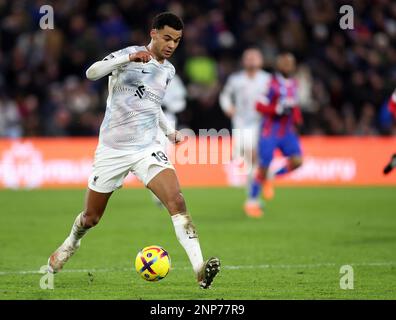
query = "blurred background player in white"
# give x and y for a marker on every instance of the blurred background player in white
(173, 102)
(392, 109)
(238, 101)
(139, 76)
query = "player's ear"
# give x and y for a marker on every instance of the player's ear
(153, 33)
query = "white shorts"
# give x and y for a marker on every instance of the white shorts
(111, 166)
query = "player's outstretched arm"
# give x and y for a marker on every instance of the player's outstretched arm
(225, 99)
(392, 104)
(297, 116)
(102, 68)
(175, 137)
(266, 107)
(170, 132)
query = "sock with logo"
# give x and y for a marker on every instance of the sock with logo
(188, 238)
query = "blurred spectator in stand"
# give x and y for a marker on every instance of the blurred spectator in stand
(346, 74)
(10, 118)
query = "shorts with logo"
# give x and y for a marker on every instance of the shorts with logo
(111, 166)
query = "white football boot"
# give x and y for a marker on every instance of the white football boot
(57, 260)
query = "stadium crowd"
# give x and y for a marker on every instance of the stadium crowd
(346, 76)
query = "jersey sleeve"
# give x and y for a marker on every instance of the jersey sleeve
(392, 104)
(297, 116)
(119, 53)
(164, 124)
(266, 104)
(171, 73)
(109, 63)
(296, 110)
(226, 95)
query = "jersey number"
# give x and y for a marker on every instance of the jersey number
(160, 156)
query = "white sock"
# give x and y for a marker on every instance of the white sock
(188, 238)
(78, 231)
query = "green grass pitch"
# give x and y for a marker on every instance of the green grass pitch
(294, 252)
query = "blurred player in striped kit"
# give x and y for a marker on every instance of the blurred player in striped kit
(280, 114)
(392, 108)
(238, 101)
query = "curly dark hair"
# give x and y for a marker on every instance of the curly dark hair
(167, 19)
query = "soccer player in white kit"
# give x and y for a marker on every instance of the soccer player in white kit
(238, 101)
(139, 76)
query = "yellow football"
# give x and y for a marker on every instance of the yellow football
(152, 263)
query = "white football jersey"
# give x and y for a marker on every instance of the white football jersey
(243, 92)
(136, 91)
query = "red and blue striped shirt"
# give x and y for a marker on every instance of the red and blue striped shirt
(279, 107)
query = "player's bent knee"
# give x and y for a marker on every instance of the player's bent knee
(91, 222)
(261, 173)
(296, 163)
(91, 218)
(176, 204)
